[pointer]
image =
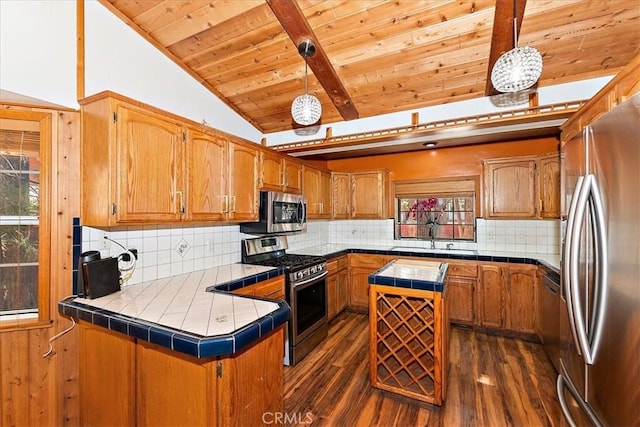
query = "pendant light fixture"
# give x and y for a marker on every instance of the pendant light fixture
(306, 109)
(518, 69)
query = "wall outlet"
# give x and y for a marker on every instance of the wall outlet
(106, 243)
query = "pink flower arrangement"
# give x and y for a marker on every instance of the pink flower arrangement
(427, 209)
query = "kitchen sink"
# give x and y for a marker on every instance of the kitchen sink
(436, 251)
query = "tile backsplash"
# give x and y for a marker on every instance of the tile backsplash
(170, 250)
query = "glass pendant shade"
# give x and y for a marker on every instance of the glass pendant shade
(518, 69)
(306, 109)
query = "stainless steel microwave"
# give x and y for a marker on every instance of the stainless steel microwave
(279, 213)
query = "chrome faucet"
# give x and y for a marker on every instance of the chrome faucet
(433, 242)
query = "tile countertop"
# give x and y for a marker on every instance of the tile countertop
(413, 274)
(551, 261)
(192, 313)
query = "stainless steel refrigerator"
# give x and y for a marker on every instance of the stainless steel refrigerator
(599, 381)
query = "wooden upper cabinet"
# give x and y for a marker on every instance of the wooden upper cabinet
(292, 176)
(223, 179)
(316, 187)
(279, 173)
(141, 165)
(149, 167)
(549, 181)
(272, 171)
(242, 203)
(369, 194)
(510, 188)
(132, 165)
(207, 166)
(522, 187)
(341, 195)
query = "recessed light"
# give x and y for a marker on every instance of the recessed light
(429, 144)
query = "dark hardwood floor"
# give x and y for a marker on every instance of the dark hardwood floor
(493, 381)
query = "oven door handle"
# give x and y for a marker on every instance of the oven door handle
(313, 279)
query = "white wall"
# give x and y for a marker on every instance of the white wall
(38, 59)
(38, 49)
(170, 250)
(119, 59)
(546, 95)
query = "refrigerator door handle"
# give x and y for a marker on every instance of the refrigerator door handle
(576, 319)
(602, 277)
(590, 342)
(564, 382)
(572, 241)
(560, 385)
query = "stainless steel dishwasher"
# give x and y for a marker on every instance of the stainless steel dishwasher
(551, 317)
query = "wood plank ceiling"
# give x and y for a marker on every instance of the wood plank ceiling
(387, 56)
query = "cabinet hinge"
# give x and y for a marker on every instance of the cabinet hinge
(219, 370)
(114, 209)
(115, 117)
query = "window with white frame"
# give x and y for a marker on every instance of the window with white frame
(23, 283)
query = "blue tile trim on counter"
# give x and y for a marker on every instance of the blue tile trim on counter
(406, 283)
(252, 280)
(77, 250)
(190, 343)
(515, 259)
(184, 342)
(414, 283)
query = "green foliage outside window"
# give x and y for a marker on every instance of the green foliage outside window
(19, 231)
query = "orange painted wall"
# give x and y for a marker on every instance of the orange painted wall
(444, 162)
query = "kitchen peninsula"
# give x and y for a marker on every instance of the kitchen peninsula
(182, 350)
(409, 329)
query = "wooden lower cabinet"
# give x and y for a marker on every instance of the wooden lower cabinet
(407, 356)
(107, 377)
(337, 286)
(124, 381)
(360, 267)
(522, 299)
(270, 289)
(461, 282)
(507, 297)
(491, 296)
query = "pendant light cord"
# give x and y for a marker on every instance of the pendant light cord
(515, 26)
(305, 75)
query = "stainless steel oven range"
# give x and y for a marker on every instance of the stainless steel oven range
(306, 292)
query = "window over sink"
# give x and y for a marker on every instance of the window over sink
(436, 209)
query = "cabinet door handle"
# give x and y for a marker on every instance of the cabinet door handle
(233, 200)
(225, 203)
(181, 209)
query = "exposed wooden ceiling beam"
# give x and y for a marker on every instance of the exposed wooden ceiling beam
(297, 27)
(502, 37)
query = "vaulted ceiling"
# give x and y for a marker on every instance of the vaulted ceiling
(376, 57)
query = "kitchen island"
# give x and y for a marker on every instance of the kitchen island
(409, 329)
(182, 351)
